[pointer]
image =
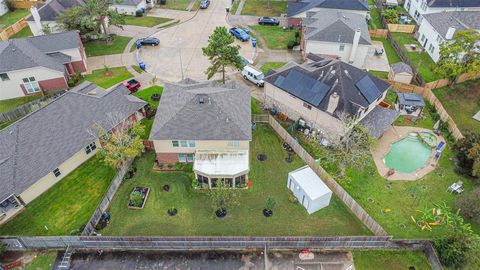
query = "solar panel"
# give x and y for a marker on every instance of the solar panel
(412, 97)
(368, 89)
(303, 86)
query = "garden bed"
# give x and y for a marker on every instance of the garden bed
(144, 191)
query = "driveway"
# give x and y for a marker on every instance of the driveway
(180, 50)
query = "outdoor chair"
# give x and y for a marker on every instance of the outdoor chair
(459, 183)
(459, 190)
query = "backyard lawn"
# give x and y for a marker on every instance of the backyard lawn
(12, 17)
(271, 65)
(427, 64)
(196, 216)
(391, 260)
(376, 21)
(389, 50)
(145, 21)
(100, 47)
(10, 104)
(119, 74)
(66, 206)
(275, 36)
(43, 260)
(379, 74)
(259, 8)
(25, 32)
(145, 95)
(462, 103)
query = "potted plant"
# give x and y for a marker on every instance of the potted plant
(270, 203)
(155, 97)
(222, 198)
(172, 211)
(166, 188)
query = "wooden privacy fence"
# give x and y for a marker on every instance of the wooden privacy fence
(24, 4)
(401, 28)
(427, 94)
(446, 82)
(107, 198)
(27, 108)
(378, 33)
(6, 33)
(357, 210)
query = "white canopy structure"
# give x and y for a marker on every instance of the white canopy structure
(391, 2)
(229, 166)
(309, 189)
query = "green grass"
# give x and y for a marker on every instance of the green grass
(145, 21)
(25, 32)
(427, 64)
(391, 260)
(275, 37)
(6, 124)
(389, 50)
(234, 7)
(145, 95)
(376, 19)
(196, 217)
(371, 2)
(12, 17)
(100, 47)
(43, 261)
(271, 65)
(259, 8)
(379, 74)
(256, 106)
(177, 4)
(10, 104)
(137, 69)
(67, 205)
(119, 74)
(462, 103)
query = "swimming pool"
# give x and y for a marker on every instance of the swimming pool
(408, 154)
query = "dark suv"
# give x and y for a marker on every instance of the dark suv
(149, 41)
(204, 4)
(268, 21)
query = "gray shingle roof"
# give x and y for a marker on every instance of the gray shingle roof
(41, 141)
(454, 3)
(461, 20)
(299, 6)
(413, 99)
(127, 2)
(342, 79)
(224, 114)
(401, 67)
(378, 120)
(50, 10)
(335, 27)
(31, 52)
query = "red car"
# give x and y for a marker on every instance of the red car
(132, 85)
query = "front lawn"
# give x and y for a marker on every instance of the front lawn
(389, 50)
(462, 103)
(196, 217)
(12, 103)
(66, 206)
(426, 65)
(275, 36)
(145, 21)
(145, 95)
(271, 65)
(177, 4)
(100, 47)
(25, 32)
(391, 260)
(12, 17)
(119, 74)
(260, 8)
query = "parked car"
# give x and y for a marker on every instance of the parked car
(152, 41)
(132, 85)
(268, 21)
(240, 33)
(253, 75)
(204, 4)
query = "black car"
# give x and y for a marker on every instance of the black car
(268, 21)
(149, 41)
(204, 4)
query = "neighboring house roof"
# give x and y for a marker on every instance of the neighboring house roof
(401, 67)
(378, 120)
(300, 6)
(460, 20)
(203, 111)
(35, 145)
(412, 99)
(336, 27)
(454, 3)
(43, 51)
(315, 83)
(127, 2)
(53, 8)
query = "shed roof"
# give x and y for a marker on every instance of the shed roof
(401, 67)
(412, 99)
(310, 182)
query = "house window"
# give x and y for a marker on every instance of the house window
(240, 181)
(4, 77)
(431, 48)
(306, 105)
(183, 143)
(191, 143)
(214, 182)
(56, 172)
(439, 38)
(234, 144)
(182, 158)
(31, 85)
(190, 157)
(175, 143)
(342, 47)
(228, 182)
(423, 38)
(91, 147)
(202, 180)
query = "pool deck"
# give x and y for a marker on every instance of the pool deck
(393, 134)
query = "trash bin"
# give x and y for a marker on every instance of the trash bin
(254, 42)
(139, 44)
(141, 65)
(228, 9)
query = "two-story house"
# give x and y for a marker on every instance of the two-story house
(418, 8)
(39, 64)
(207, 124)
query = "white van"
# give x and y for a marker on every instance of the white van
(253, 75)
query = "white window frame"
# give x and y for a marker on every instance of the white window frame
(31, 85)
(191, 144)
(190, 157)
(183, 143)
(234, 144)
(341, 47)
(90, 148)
(182, 157)
(175, 144)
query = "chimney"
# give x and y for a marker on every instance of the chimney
(36, 18)
(356, 39)
(450, 32)
(333, 102)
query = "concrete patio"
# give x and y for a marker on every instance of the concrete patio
(376, 62)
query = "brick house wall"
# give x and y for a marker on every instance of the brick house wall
(53, 84)
(167, 157)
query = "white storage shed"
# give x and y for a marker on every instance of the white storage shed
(309, 189)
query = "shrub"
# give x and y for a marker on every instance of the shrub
(469, 205)
(270, 203)
(139, 13)
(74, 79)
(292, 198)
(291, 44)
(391, 15)
(178, 166)
(462, 148)
(195, 183)
(188, 168)
(137, 198)
(452, 251)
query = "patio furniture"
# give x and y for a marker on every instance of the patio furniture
(456, 187)
(378, 51)
(413, 47)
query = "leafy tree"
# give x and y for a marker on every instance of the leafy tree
(467, 151)
(221, 52)
(459, 56)
(469, 205)
(391, 15)
(222, 196)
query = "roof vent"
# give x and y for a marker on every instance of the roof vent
(201, 100)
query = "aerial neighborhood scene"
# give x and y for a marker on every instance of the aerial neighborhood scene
(240, 134)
